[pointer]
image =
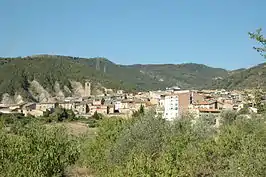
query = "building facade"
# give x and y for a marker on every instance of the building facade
(171, 107)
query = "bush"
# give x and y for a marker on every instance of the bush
(151, 146)
(36, 150)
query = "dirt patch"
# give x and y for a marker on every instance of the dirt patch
(78, 172)
(78, 128)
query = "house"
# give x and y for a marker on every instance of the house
(102, 109)
(185, 99)
(197, 97)
(66, 105)
(228, 106)
(96, 102)
(212, 114)
(45, 106)
(30, 109)
(80, 108)
(120, 92)
(77, 107)
(10, 109)
(209, 104)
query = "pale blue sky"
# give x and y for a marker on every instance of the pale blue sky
(212, 32)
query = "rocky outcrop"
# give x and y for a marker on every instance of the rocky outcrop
(8, 99)
(59, 94)
(77, 89)
(39, 93)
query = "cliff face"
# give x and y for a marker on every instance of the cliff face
(39, 94)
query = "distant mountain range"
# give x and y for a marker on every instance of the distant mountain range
(42, 77)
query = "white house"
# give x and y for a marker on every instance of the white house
(171, 107)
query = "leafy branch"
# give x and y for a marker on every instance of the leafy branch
(260, 38)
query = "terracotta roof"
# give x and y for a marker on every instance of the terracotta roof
(209, 110)
(205, 103)
(208, 102)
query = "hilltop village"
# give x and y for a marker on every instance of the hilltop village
(171, 103)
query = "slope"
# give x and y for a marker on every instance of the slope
(244, 78)
(16, 73)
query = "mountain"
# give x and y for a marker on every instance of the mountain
(44, 77)
(188, 76)
(48, 76)
(244, 78)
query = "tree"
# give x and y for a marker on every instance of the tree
(139, 112)
(244, 110)
(258, 100)
(96, 116)
(141, 109)
(259, 38)
(102, 101)
(46, 113)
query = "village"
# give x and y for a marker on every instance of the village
(171, 103)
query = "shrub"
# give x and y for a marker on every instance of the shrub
(151, 146)
(36, 150)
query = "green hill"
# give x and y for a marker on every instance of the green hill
(188, 76)
(17, 74)
(244, 78)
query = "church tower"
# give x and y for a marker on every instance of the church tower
(87, 89)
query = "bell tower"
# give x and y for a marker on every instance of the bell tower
(87, 89)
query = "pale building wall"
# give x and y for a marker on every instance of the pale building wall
(171, 107)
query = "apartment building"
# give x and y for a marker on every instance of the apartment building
(171, 107)
(176, 104)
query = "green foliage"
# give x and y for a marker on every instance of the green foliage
(36, 150)
(244, 78)
(94, 152)
(102, 101)
(244, 110)
(48, 69)
(92, 123)
(139, 112)
(60, 114)
(97, 116)
(151, 146)
(261, 40)
(228, 117)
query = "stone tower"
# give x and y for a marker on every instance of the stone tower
(87, 89)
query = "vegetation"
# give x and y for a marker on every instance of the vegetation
(150, 146)
(29, 148)
(247, 78)
(16, 74)
(139, 112)
(261, 40)
(143, 146)
(49, 69)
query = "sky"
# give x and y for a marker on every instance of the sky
(211, 32)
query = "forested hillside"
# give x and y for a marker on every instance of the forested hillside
(54, 73)
(16, 75)
(59, 75)
(244, 78)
